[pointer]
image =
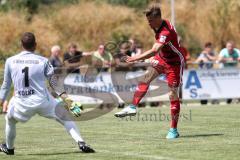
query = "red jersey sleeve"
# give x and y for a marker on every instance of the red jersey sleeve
(163, 37)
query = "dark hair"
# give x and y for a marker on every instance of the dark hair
(153, 10)
(28, 41)
(208, 45)
(72, 45)
(125, 45)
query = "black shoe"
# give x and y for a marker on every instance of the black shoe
(3, 148)
(85, 148)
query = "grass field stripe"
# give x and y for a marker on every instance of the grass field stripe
(212, 133)
(136, 155)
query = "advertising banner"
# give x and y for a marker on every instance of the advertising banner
(117, 87)
(211, 84)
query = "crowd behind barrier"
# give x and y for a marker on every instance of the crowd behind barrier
(144, 65)
(113, 60)
(110, 57)
(212, 85)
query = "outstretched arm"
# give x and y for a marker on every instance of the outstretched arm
(6, 85)
(149, 53)
(87, 53)
(73, 65)
(74, 107)
(58, 87)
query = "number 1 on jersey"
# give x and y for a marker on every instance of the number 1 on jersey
(26, 79)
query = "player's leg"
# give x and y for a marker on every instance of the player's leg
(174, 80)
(10, 132)
(55, 110)
(65, 119)
(13, 116)
(72, 129)
(143, 85)
(175, 110)
(140, 92)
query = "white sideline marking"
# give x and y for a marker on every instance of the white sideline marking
(137, 155)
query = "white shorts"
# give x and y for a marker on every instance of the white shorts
(23, 113)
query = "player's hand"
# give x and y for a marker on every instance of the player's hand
(130, 59)
(66, 100)
(76, 109)
(1, 103)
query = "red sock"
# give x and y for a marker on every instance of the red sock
(139, 93)
(175, 110)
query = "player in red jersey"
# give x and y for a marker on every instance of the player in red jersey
(167, 60)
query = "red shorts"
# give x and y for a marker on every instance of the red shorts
(173, 72)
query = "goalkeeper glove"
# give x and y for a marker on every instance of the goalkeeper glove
(74, 107)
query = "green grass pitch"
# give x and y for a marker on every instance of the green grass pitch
(206, 133)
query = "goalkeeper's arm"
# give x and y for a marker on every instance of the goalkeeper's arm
(74, 107)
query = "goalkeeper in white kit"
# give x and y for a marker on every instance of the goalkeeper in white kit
(28, 72)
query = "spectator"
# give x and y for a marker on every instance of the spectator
(121, 65)
(139, 48)
(55, 56)
(125, 49)
(205, 61)
(229, 56)
(134, 47)
(102, 59)
(72, 58)
(206, 57)
(185, 52)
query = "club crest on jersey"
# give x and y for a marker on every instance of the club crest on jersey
(154, 62)
(162, 39)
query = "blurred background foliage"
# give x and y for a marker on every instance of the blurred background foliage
(93, 22)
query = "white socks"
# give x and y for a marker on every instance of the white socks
(10, 132)
(72, 129)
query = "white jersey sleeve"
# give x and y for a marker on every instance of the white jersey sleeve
(56, 85)
(6, 85)
(48, 69)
